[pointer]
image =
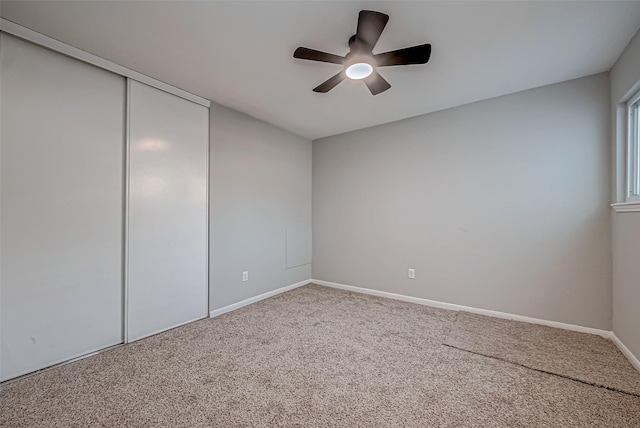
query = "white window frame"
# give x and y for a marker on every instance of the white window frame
(633, 148)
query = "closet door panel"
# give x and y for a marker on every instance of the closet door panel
(61, 207)
(167, 229)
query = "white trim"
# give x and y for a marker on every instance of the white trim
(495, 314)
(125, 216)
(214, 313)
(626, 207)
(626, 352)
(634, 98)
(73, 52)
(208, 186)
(633, 148)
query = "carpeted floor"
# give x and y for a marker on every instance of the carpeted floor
(583, 357)
(315, 357)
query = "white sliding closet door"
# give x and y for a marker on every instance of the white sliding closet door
(167, 228)
(61, 208)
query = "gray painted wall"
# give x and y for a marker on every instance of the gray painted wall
(260, 193)
(626, 280)
(500, 204)
(625, 79)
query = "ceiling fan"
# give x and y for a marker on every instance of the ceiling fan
(360, 63)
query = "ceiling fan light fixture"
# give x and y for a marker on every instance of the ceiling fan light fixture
(359, 63)
(359, 70)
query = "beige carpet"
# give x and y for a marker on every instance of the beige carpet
(583, 357)
(311, 357)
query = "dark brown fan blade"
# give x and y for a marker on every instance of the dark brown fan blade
(370, 26)
(413, 55)
(314, 55)
(331, 83)
(376, 83)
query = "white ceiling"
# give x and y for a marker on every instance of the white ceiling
(239, 54)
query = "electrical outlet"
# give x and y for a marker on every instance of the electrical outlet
(245, 275)
(412, 274)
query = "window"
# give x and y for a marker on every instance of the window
(633, 149)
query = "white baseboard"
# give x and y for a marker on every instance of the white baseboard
(626, 352)
(250, 300)
(434, 303)
(454, 307)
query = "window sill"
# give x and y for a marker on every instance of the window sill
(626, 207)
